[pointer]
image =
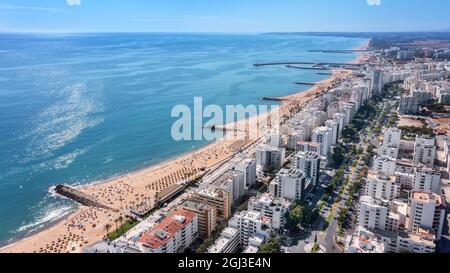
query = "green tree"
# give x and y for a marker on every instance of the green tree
(271, 246)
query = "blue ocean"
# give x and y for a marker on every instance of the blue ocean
(78, 108)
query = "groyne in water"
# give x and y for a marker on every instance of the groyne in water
(80, 197)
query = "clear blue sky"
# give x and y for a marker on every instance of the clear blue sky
(223, 15)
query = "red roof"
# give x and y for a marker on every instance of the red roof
(173, 223)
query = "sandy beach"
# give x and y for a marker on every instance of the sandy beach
(140, 190)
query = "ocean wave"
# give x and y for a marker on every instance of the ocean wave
(51, 214)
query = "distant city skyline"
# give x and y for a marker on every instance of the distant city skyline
(223, 16)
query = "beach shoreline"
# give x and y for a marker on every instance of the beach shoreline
(86, 226)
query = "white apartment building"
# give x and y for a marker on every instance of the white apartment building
(377, 214)
(309, 164)
(392, 136)
(377, 81)
(250, 224)
(384, 164)
(269, 157)
(306, 146)
(364, 242)
(425, 151)
(333, 125)
(271, 207)
(228, 242)
(382, 186)
(427, 180)
(427, 211)
(289, 184)
(340, 117)
(233, 182)
(294, 138)
(248, 168)
(373, 213)
(397, 242)
(322, 135)
(388, 151)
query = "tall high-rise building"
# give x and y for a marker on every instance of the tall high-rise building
(289, 184)
(216, 197)
(425, 151)
(382, 186)
(392, 136)
(385, 164)
(269, 157)
(207, 217)
(377, 81)
(323, 136)
(427, 179)
(250, 224)
(232, 181)
(248, 168)
(373, 213)
(427, 211)
(271, 207)
(334, 127)
(309, 164)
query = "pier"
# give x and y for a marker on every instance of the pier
(81, 198)
(308, 68)
(284, 63)
(272, 99)
(314, 64)
(325, 74)
(306, 83)
(339, 51)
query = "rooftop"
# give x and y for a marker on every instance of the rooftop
(165, 231)
(426, 197)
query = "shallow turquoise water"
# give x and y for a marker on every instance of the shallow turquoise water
(78, 108)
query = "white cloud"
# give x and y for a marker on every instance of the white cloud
(73, 2)
(374, 2)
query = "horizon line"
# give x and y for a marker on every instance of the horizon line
(218, 32)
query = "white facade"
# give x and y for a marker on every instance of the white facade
(392, 136)
(388, 150)
(248, 168)
(309, 164)
(425, 151)
(271, 207)
(384, 164)
(250, 224)
(270, 158)
(233, 182)
(381, 186)
(323, 136)
(373, 214)
(289, 184)
(333, 125)
(427, 211)
(228, 242)
(399, 242)
(427, 180)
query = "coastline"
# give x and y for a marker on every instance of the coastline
(86, 225)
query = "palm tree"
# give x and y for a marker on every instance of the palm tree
(107, 227)
(117, 228)
(121, 222)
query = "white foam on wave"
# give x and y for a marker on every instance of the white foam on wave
(51, 214)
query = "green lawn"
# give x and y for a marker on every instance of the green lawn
(127, 225)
